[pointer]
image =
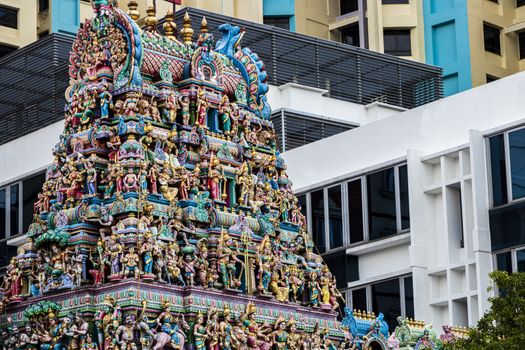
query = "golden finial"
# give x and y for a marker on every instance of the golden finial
(204, 27)
(133, 11)
(187, 30)
(151, 18)
(170, 27)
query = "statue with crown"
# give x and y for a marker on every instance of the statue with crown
(167, 219)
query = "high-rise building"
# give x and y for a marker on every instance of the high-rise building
(475, 41)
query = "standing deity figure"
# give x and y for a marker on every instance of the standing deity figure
(146, 250)
(199, 332)
(131, 263)
(154, 111)
(54, 338)
(185, 109)
(214, 177)
(125, 334)
(313, 289)
(226, 263)
(89, 344)
(188, 265)
(245, 181)
(202, 108)
(143, 180)
(172, 106)
(225, 114)
(153, 175)
(265, 262)
(76, 265)
(226, 336)
(114, 254)
(105, 101)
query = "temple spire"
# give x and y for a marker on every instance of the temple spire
(151, 19)
(204, 25)
(170, 27)
(133, 11)
(187, 30)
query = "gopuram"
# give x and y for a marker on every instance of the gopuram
(167, 219)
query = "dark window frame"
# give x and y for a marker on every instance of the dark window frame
(493, 47)
(11, 11)
(348, 6)
(267, 19)
(347, 29)
(398, 35)
(521, 44)
(520, 3)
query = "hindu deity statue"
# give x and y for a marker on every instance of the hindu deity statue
(169, 325)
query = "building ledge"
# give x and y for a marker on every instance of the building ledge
(344, 20)
(18, 240)
(393, 241)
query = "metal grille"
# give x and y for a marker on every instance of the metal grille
(347, 72)
(32, 84)
(296, 129)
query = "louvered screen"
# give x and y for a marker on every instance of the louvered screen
(300, 130)
(32, 84)
(347, 72)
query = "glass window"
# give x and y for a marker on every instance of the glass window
(317, 199)
(504, 262)
(301, 202)
(32, 186)
(520, 259)
(350, 35)
(520, 3)
(381, 204)
(348, 6)
(335, 214)
(403, 192)
(5, 49)
(409, 297)
(43, 5)
(8, 17)
(521, 44)
(359, 299)
(277, 21)
(355, 211)
(3, 217)
(498, 174)
(517, 162)
(386, 298)
(14, 209)
(491, 37)
(397, 42)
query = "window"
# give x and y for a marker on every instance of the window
(350, 35)
(355, 211)
(16, 205)
(3, 210)
(491, 37)
(338, 212)
(5, 49)
(490, 78)
(521, 44)
(520, 3)
(335, 215)
(511, 261)
(277, 21)
(517, 162)
(318, 231)
(393, 297)
(8, 17)
(394, 2)
(403, 197)
(381, 204)
(43, 5)
(397, 42)
(498, 169)
(520, 260)
(31, 187)
(348, 6)
(359, 299)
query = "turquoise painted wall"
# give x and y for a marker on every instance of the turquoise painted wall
(447, 42)
(280, 8)
(65, 16)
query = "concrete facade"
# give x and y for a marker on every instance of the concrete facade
(447, 248)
